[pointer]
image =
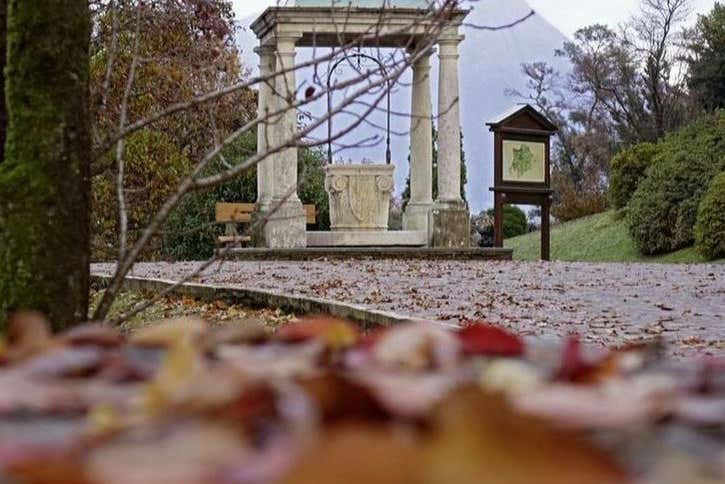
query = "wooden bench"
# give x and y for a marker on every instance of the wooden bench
(232, 214)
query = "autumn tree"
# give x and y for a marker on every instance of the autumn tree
(45, 176)
(147, 56)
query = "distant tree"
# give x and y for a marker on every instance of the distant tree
(405, 197)
(582, 147)
(45, 176)
(623, 88)
(707, 60)
(653, 37)
(515, 222)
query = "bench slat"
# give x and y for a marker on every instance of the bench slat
(234, 212)
(242, 213)
(311, 214)
(235, 239)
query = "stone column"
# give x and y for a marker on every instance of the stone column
(286, 225)
(418, 212)
(450, 215)
(265, 169)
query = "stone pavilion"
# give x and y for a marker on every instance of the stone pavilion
(440, 223)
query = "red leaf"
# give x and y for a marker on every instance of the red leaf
(576, 368)
(481, 339)
(572, 362)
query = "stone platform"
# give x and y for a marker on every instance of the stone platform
(346, 253)
(407, 238)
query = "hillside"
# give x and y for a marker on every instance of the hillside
(598, 238)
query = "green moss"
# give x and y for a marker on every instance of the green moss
(44, 179)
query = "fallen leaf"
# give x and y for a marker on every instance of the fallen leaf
(418, 347)
(189, 452)
(614, 404)
(478, 438)
(28, 334)
(511, 377)
(357, 454)
(335, 333)
(577, 368)
(485, 340)
(92, 335)
(167, 333)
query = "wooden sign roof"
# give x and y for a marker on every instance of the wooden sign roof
(523, 116)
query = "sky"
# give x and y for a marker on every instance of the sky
(566, 15)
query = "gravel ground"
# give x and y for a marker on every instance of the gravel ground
(607, 304)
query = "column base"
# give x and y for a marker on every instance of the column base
(417, 217)
(451, 227)
(259, 215)
(285, 228)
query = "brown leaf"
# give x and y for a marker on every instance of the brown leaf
(340, 399)
(334, 333)
(92, 335)
(28, 335)
(359, 454)
(479, 439)
(167, 333)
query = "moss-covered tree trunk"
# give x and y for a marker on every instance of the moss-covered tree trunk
(3, 57)
(45, 178)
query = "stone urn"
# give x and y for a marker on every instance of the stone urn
(359, 196)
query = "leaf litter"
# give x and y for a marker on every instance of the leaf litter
(319, 401)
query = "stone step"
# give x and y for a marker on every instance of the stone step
(367, 239)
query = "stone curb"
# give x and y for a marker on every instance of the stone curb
(347, 253)
(262, 298)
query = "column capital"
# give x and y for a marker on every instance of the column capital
(423, 54)
(451, 38)
(448, 45)
(265, 49)
(286, 42)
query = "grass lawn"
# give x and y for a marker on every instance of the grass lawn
(598, 238)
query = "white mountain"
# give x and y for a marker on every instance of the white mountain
(490, 64)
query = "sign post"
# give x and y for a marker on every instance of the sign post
(522, 167)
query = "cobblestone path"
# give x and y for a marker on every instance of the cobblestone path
(607, 304)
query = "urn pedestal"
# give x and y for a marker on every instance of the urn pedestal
(359, 196)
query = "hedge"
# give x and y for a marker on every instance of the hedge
(515, 222)
(663, 210)
(627, 170)
(710, 226)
